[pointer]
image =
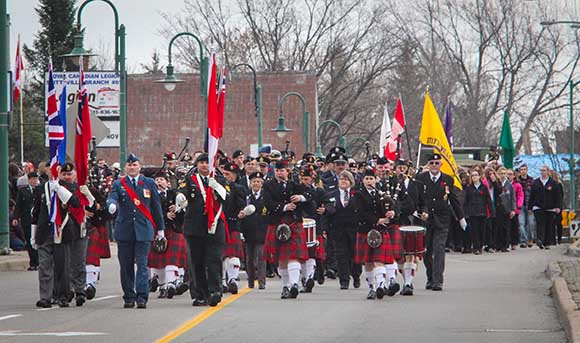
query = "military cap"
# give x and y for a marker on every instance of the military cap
(237, 153)
(249, 159)
(353, 165)
(162, 174)
(203, 157)
(306, 155)
(257, 175)
(230, 167)
(307, 171)
(263, 160)
(321, 159)
(67, 167)
(434, 157)
(340, 158)
(32, 174)
(338, 150)
(186, 157)
(375, 156)
(382, 161)
(132, 158)
(266, 149)
(281, 164)
(400, 162)
(275, 154)
(170, 156)
(309, 159)
(362, 164)
(369, 172)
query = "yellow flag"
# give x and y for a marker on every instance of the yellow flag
(432, 134)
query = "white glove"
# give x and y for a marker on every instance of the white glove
(249, 210)
(160, 234)
(216, 186)
(84, 189)
(463, 223)
(32, 237)
(180, 202)
(54, 185)
(63, 193)
(112, 208)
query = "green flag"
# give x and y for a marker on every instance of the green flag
(506, 142)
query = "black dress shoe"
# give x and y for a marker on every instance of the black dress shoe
(261, 286)
(331, 274)
(225, 288)
(162, 293)
(372, 294)
(90, 291)
(541, 246)
(233, 287)
(380, 292)
(320, 278)
(251, 285)
(429, 285)
(270, 275)
(63, 303)
(393, 288)
(141, 304)
(356, 283)
(181, 288)
(80, 300)
(43, 303)
(294, 290)
(547, 247)
(344, 285)
(32, 268)
(199, 302)
(438, 287)
(407, 290)
(285, 293)
(70, 296)
(214, 299)
(309, 285)
(129, 304)
(171, 291)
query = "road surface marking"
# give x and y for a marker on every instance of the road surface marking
(105, 298)
(523, 330)
(10, 316)
(195, 321)
(56, 334)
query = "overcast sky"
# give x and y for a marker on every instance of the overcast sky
(141, 18)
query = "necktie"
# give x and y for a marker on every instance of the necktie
(256, 195)
(205, 182)
(164, 194)
(434, 179)
(134, 183)
(345, 199)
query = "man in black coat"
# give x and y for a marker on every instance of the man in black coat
(205, 244)
(545, 201)
(439, 203)
(22, 212)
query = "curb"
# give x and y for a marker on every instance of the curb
(553, 271)
(573, 249)
(18, 264)
(567, 309)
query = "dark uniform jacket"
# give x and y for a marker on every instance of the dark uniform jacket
(370, 208)
(254, 226)
(101, 215)
(435, 200)
(195, 220)
(407, 200)
(235, 202)
(168, 199)
(546, 197)
(477, 201)
(277, 196)
(40, 215)
(319, 199)
(330, 180)
(339, 216)
(23, 207)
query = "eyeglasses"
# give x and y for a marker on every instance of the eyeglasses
(434, 162)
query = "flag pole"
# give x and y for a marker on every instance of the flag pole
(418, 156)
(21, 133)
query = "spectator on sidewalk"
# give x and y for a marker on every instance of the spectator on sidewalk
(16, 235)
(545, 202)
(22, 215)
(526, 217)
(506, 210)
(558, 220)
(515, 222)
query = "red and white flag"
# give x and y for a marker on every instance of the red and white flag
(394, 143)
(19, 67)
(385, 132)
(83, 130)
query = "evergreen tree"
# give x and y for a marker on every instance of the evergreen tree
(54, 38)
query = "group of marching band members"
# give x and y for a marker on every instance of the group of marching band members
(303, 219)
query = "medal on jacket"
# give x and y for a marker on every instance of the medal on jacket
(137, 202)
(446, 193)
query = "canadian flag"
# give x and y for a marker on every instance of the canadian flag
(394, 143)
(19, 67)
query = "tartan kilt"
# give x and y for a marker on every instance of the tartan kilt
(319, 252)
(175, 255)
(97, 245)
(294, 249)
(365, 254)
(234, 248)
(396, 241)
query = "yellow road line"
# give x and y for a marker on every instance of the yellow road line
(195, 321)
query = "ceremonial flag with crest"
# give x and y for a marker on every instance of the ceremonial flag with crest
(83, 130)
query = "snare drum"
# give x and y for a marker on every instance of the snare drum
(310, 228)
(413, 239)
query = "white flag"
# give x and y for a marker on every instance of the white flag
(385, 132)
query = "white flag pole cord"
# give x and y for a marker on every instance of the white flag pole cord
(418, 157)
(21, 133)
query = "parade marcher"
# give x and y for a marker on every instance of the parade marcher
(254, 228)
(250, 167)
(285, 238)
(139, 218)
(170, 163)
(375, 211)
(22, 213)
(233, 252)
(167, 267)
(545, 201)
(343, 228)
(238, 158)
(477, 202)
(506, 210)
(439, 200)
(314, 266)
(205, 241)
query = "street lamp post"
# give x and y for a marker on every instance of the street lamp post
(257, 100)
(170, 80)
(4, 113)
(571, 162)
(341, 140)
(120, 67)
(281, 130)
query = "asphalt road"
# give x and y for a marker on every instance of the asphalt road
(489, 298)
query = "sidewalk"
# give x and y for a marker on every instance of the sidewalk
(16, 261)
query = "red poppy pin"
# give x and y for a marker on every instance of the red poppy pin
(442, 183)
(141, 183)
(480, 192)
(549, 188)
(351, 193)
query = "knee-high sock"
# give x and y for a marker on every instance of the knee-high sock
(159, 273)
(171, 274)
(303, 271)
(225, 264)
(310, 268)
(392, 271)
(409, 269)
(294, 272)
(285, 277)
(233, 269)
(370, 278)
(92, 274)
(379, 274)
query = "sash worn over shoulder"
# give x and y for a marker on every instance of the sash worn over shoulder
(204, 191)
(138, 203)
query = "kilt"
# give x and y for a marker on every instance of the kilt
(294, 249)
(396, 241)
(97, 245)
(319, 252)
(234, 248)
(365, 254)
(175, 255)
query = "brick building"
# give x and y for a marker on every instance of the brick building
(159, 120)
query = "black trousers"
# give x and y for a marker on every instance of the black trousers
(515, 230)
(545, 227)
(435, 238)
(61, 257)
(206, 262)
(475, 230)
(32, 254)
(344, 240)
(503, 228)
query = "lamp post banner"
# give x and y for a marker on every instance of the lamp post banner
(103, 89)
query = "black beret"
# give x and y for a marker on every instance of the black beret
(382, 160)
(281, 164)
(249, 159)
(369, 172)
(362, 164)
(434, 157)
(67, 167)
(400, 162)
(257, 175)
(352, 165)
(132, 158)
(32, 174)
(203, 157)
(170, 156)
(321, 159)
(307, 171)
(162, 174)
(306, 155)
(230, 167)
(237, 153)
(309, 159)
